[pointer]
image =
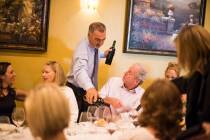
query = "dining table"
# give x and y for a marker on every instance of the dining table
(77, 131)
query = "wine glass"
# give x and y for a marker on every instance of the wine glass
(83, 117)
(4, 119)
(91, 113)
(111, 128)
(107, 115)
(133, 114)
(18, 116)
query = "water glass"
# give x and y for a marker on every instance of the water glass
(91, 113)
(83, 117)
(107, 115)
(4, 119)
(18, 116)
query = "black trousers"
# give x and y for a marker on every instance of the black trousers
(79, 94)
(193, 133)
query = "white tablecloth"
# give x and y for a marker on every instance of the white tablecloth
(91, 133)
(92, 137)
(81, 131)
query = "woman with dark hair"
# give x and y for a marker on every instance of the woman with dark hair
(7, 93)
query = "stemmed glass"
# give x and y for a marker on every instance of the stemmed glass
(91, 113)
(107, 115)
(18, 116)
(4, 119)
(83, 117)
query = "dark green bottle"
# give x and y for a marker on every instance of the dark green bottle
(110, 55)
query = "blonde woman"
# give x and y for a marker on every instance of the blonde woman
(193, 53)
(172, 71)
(52, 72)
(47, 112)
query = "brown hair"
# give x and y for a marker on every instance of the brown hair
(161, 109)
(3, 70)
(193, 45)
(97, 26)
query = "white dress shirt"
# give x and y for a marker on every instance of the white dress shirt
(82, 66)
(72, 103)
(114, 88)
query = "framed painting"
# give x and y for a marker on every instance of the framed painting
(24, 24)
(152, 25)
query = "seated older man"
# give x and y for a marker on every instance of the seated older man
(124, 94)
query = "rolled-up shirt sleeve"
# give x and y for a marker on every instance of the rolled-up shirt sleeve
(80, 69)
(82, 66)
(101, 54)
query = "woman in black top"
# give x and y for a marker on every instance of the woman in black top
(7, 93)
(193, 53)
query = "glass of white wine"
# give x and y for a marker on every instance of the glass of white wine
(18, 116)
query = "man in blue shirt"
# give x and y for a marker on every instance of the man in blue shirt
(84, 71)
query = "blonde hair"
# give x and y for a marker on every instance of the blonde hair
(173, 66)
(193, 45)
(47, 110)
(60, 77)
(161, 109)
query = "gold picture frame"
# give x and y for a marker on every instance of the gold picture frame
(151, 25)
(24, 24)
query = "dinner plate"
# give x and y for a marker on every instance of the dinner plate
(6, 127)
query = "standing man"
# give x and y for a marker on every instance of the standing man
(83, 77)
